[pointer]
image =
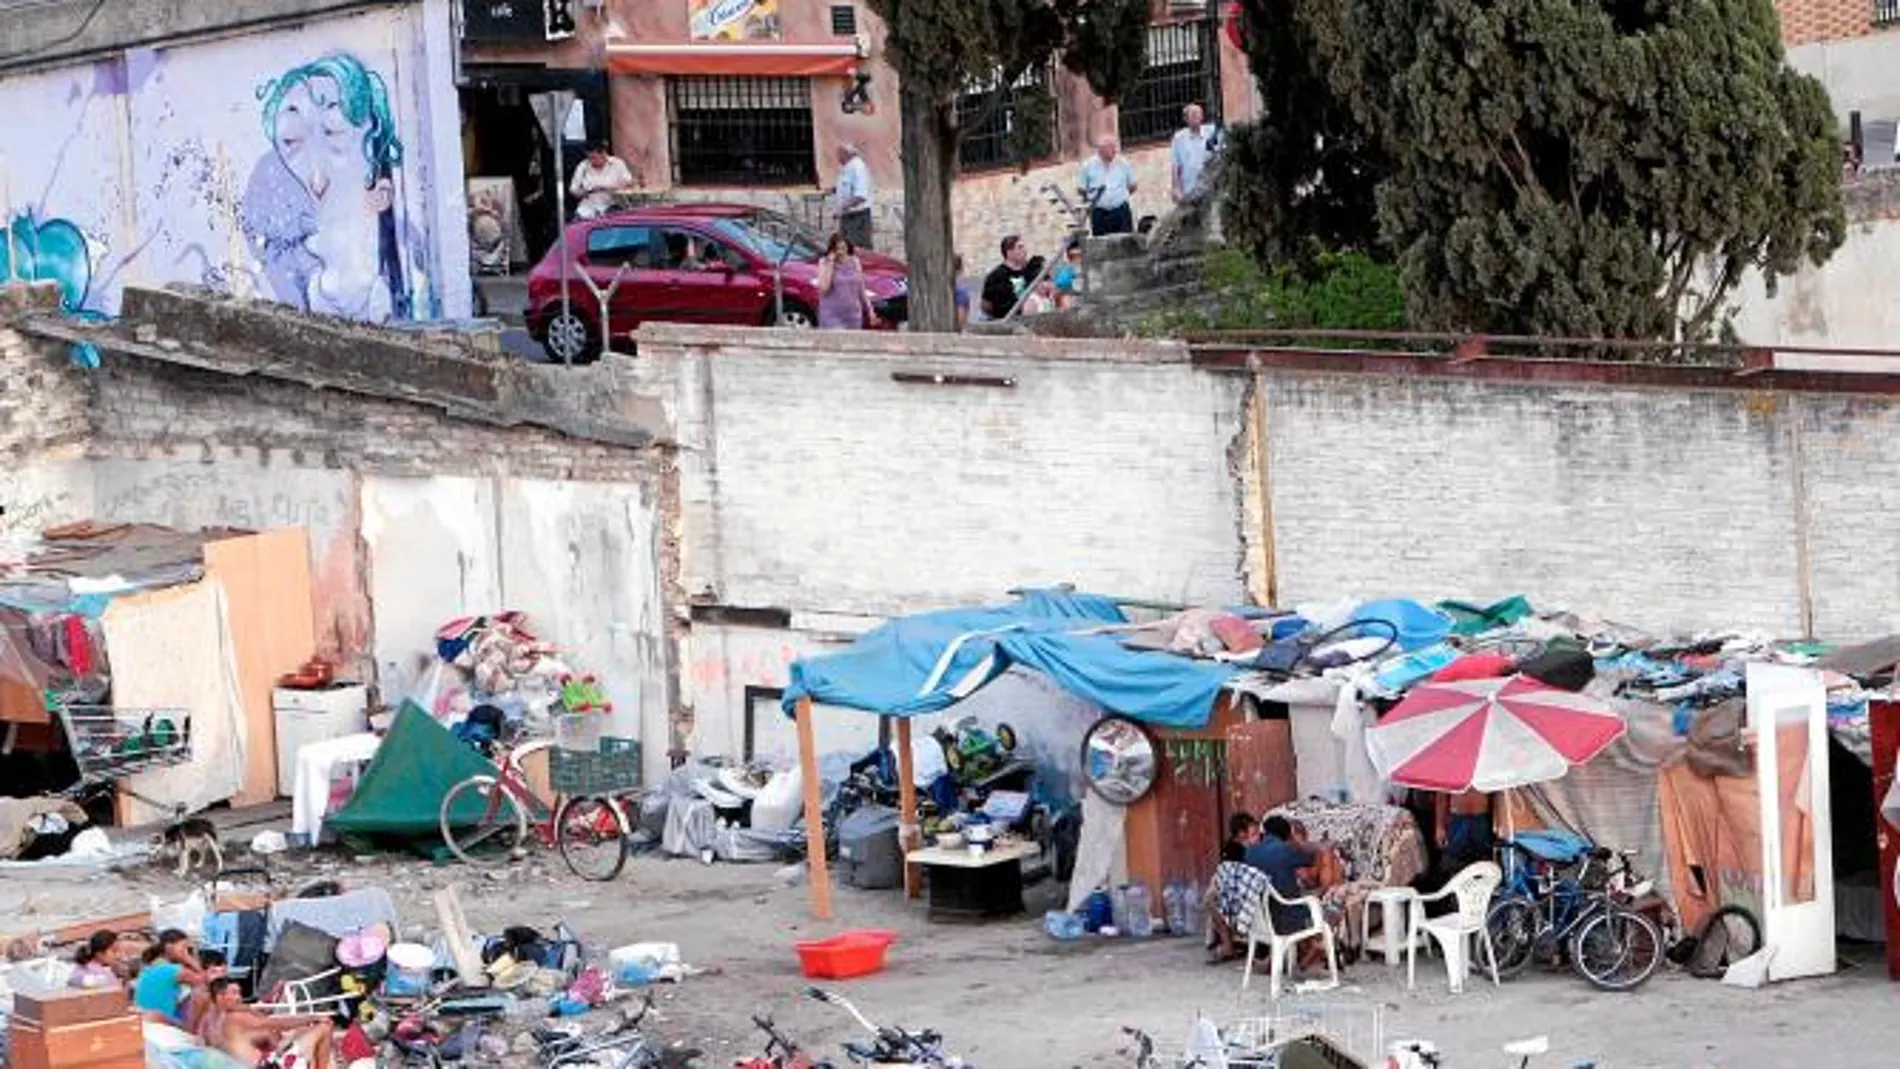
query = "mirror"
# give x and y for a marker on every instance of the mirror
(1118, 757)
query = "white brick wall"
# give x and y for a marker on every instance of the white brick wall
(814, 482)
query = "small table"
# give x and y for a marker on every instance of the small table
(965, 886)
(1395, 921)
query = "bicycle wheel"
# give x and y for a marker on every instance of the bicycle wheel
(1512, 924)
(482, 822)
(1616, 950)
(592, 834)
(1725, 937)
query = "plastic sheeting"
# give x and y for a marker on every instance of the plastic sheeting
(926, 663)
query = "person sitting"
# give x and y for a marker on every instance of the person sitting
(1327, 870)
(199, 1002)
(1278, 857)
(170, 968)
(1068, 276)
(253, 1038)
(1008, 281)
(598, 181)
(97, 962)
(1234, 893)
(1042, 298)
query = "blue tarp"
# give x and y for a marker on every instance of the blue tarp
(901, 669)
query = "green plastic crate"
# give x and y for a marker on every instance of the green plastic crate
(612, 769)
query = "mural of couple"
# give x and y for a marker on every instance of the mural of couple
(321, 222)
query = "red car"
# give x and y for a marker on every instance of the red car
(690, 263)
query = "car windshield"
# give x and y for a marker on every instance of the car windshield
(770, 235)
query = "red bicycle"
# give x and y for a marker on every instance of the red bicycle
(486, 820)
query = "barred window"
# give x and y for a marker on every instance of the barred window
(732, 131)
(989, 128)
(1886, 12)
(1183, 68)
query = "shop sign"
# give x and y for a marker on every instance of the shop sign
(733, 20)
(516, 21)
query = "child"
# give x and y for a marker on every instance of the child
(215, 968)
(98, 962)
(1068, 276)
(1041, 299)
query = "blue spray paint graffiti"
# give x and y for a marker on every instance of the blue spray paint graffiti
(322, 211)
(48, 250)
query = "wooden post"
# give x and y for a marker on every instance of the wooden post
(818, 869)
(907, 839)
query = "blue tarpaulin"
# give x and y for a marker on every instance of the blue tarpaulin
(927, 662)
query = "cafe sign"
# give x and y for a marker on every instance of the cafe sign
(733, 20)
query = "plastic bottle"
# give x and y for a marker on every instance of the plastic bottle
(1172, 913)
(1141, 923)
(1100, 911)
(1192, 921)
(1119, 907)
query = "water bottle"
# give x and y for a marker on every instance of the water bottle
(1192, 921)
(1140, 920)
(1119, 908)
(1100, 911)
(1171, 910)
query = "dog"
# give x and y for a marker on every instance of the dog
(188, 843)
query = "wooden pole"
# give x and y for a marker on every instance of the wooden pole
(909, 837)
(818, 868)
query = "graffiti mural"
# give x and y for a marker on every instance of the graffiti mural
(300, 166)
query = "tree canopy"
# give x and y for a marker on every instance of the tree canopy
(1574, 167)
(940, 48)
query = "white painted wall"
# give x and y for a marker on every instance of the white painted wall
(1836, 304)
(1857, 71)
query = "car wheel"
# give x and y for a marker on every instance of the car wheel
(797, 317)
(569, 339)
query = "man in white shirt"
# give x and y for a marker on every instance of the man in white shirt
(1107, 182)
(853, 196)
(597, 181)
(1192, 145)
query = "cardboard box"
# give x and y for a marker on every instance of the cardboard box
(92, 1045)
(50, 1009)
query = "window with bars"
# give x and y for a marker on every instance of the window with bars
(1886, 12)
(989, 126)
(731, 131)
(844, 20)
(1183, 68)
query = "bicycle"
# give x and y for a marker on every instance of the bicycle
(485, 818)
(894, 1046)
(1582, 919)
(780, 1051)
(621, 1045)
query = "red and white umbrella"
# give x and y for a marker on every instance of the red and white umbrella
(1489, 734)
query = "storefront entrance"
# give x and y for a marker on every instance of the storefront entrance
(511, 166)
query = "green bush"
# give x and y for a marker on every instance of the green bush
(1350, 291)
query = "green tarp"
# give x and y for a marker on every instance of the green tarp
(401, 791)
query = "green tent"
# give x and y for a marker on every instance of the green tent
(401, 791)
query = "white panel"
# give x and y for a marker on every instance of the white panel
(432, 558)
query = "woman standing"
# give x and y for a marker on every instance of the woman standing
(843, 302)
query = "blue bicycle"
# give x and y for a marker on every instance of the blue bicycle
(1565, 901)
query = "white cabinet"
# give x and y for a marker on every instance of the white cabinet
(306, 716)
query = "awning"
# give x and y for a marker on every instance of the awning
(781, 61)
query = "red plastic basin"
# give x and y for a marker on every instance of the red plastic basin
(843, 956)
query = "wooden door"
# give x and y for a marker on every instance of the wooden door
(1260, 772)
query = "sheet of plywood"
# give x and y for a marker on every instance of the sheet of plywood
(266, 579)
(1260, 773)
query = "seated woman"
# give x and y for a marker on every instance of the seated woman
(1234, 894)
(1327, 870)
(98, 962)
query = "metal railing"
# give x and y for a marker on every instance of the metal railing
(987, 128)
(741, 131)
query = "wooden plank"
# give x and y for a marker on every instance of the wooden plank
(1884, 720)
(266, 579)
(909, 838)
(1260, 772)
(818, 867)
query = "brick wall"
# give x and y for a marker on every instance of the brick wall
(1803, 21)
(43, 398)
(812, 481)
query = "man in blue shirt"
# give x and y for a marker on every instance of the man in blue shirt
(1107, 183)
(1281, 859)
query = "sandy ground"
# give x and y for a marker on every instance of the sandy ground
(1010, 998)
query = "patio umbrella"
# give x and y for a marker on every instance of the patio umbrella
(1489, 734)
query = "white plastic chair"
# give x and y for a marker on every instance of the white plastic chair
(1472, 888)
(1281, 948)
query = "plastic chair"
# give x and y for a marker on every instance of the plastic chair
(1472, 888)
(1280, 948)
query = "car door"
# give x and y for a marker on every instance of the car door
(710, 281)
(624, 251)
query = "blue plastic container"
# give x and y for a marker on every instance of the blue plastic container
(1101, 911)
(1418, 625)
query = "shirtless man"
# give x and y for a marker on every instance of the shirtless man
(1464, 828)
(288, 1042)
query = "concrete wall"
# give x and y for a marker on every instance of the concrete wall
(1836, 304)
(216, 163)
(1856, 69)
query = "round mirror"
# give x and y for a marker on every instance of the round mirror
(1119, 759)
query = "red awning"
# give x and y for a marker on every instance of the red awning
(754, 60)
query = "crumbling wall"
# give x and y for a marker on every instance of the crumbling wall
(44, 424)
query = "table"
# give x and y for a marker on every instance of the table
(1395, 921)
(968, 887)
(317, 764)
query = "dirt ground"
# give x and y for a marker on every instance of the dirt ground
(1008, 997)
